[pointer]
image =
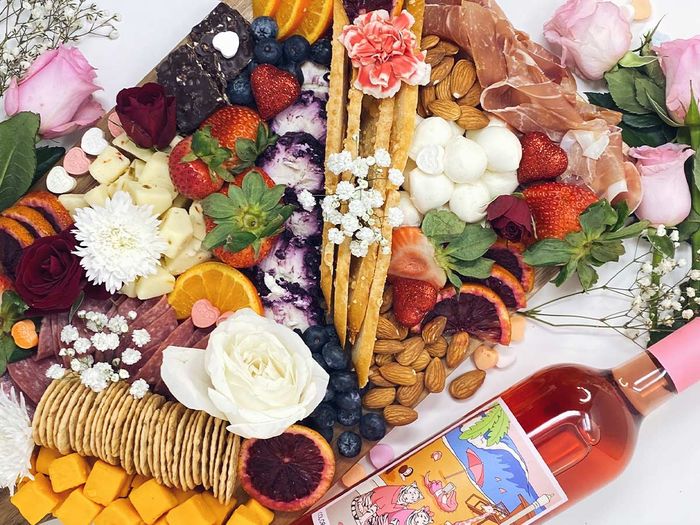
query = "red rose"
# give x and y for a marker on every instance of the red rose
(147, 115)
(510, 218)
(49, 277)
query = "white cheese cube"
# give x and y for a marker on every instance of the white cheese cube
(72, 201)
(197, 218)
(180, 201)
(109, 165)
(176, 230)
(160, 283)
(190, 256)
(158, 198)
(129, 289)
(97, 195)
(124, 143)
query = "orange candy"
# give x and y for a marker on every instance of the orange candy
(24, 334)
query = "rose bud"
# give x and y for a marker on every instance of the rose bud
(147, 115)
(510, 218)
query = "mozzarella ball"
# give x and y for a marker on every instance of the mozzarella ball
(411, 216)
(429, 191)
(502, 148)
(469, 201)
(430, 159)
(465, 160)
(433, 130)
(500, 183)
(457, 130)
(495, 122)
(410, 166)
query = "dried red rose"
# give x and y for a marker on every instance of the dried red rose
(510, 218)
(147, 114)
(49, 277)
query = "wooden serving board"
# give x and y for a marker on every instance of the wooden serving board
(8, 513)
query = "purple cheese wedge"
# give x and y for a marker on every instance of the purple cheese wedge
(307, 114)
(296, 161)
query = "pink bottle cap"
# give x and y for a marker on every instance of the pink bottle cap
(678, 354)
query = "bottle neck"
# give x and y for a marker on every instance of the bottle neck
(644, 382)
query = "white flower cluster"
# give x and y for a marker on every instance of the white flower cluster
(34, 26)
(106, 337)
(355, 209)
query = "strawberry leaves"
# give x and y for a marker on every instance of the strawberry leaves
(207, 149)
(599, 242)
(248, 150)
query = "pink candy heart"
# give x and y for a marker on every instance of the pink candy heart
(204, 314)
(114, 125)
(76, 162)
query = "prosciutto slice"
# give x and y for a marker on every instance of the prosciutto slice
(526, 86)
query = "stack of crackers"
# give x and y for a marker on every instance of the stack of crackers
(179, 447)
(354, 287)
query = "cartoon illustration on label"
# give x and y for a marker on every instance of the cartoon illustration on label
(484, 471)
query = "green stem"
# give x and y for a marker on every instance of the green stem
(656, 258)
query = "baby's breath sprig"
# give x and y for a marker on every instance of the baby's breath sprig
(31, 27)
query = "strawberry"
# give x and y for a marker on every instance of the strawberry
(556, 207)
(243, 223)
(542, 159)
(413, 257)
(243, 132)
(197, 165)
(274, 90)
(412, 300)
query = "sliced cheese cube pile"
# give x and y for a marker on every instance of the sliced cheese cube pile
(78, 491)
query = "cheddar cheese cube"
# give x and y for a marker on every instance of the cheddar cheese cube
(35, 499)
(119, 512)
(152, 500)
(194, 511)
(126, 488)
(138, 480)
(220, 510)
(77, 509)
(45, 458)
(68, 472)
(105, 483)
(265, 515)
(243, 516)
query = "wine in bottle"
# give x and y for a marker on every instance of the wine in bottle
(541, 446)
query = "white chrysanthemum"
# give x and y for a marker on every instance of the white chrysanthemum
(118, 242)
(307, 200)
(16, 443)
(139, 388)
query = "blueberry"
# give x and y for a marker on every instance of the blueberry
(319, 359)
(296, 48)
(349, 418)
(330, 395)
(268, 51)
(294, 69)
(264, 27)
(343, 381)
(332, 334)
(372, 426)
(349, 444)
(250, 68)
(239, 92)
(348, 400)
(321, 52)
(365, 389)
(315, 337)
(335, 356)
(326, 432)
(324, 415)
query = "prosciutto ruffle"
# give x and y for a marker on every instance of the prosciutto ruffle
(526, 86)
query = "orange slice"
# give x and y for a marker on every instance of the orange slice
(225, 287)
(289, 16)
(317, 20)
(265, 7)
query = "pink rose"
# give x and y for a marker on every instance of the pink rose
(666, 195)
(385, 52)
(59, 87)
(592, 36)
(680, 60)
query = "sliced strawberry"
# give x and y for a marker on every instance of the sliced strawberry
(556, 207)
(413, 257)
(413, 299)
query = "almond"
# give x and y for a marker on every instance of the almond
(447, 109)
(429, 41)
(379, 398)
(422, 362)
(434, 329)
(409, 396)
(398, 415)
(422, 112)
(473, 96)
(448, 48)
(387, 329)
(412, 349)
(438, 348)
(376, 378)
(442, 70)
(472, 118)
(458, 349)
(467, 384)
(443, 91)
(435, 376)
(388, 346)
(462, 78)
(427, 95)
(387, 299)
(434, 56)
(382, 359)
(398, 374)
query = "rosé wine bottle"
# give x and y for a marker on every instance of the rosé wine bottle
(520, 458)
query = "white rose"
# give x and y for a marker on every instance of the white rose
(255, 373)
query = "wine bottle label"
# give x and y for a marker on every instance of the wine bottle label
(484, 470)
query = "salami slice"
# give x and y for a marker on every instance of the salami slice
(150, 369)
(30, 376)
(202, 343)
(46, 346)
(153, 314)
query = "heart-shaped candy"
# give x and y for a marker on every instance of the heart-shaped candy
(226, 43)
(204, 314)
(58, 181)
(114, 125)
(76, 162)
(93, 141)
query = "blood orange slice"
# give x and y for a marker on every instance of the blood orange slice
(289, 472)
(509, 255)
(477, 310)
(413, 257)
(508, 288)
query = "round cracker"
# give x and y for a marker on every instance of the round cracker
(126, 450)
(112, 426)
(178, 452)
(95, 419)
(194, 451)
(54, 409)
(213, 449)
(204, 461)
(38, 421)
(113, 391)
(167, 443)
(232, 469)
(141, 424)
(150, 419)
(113, 438)
(126, 429)
(108, 414)
(75, 428)
(218, 460)
(191, 464)
(154, 449)
(63, 441)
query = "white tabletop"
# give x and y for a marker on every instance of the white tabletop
(661, 483)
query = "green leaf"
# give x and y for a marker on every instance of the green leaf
(453, 278)
(499, 429)
(217, 237)
(239, 242)
(18, 136)
(478, 269)
(442, 226)
(20, 354)
(548, 252)
(653, 137)
(663, 244)
(7, 347)
(76, 305)
(696, 172)
(660, 108)
(253, 187)
(621, 83)
(11, 309)
(623, 211)
(272, 197)
(692, 121)
(628, 232)
(218, 206)
(604, 100)
(689, 226)
(633, 60)
(46, 158)
(236, 195)
(246, 150)
(566, 272)
(474, 242)
(587, 276)
(604, 251)
(596, 218)
(642, 121)
(647, 90)
(494, 422)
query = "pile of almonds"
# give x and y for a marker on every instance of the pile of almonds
(453, 92)
(408, 365)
